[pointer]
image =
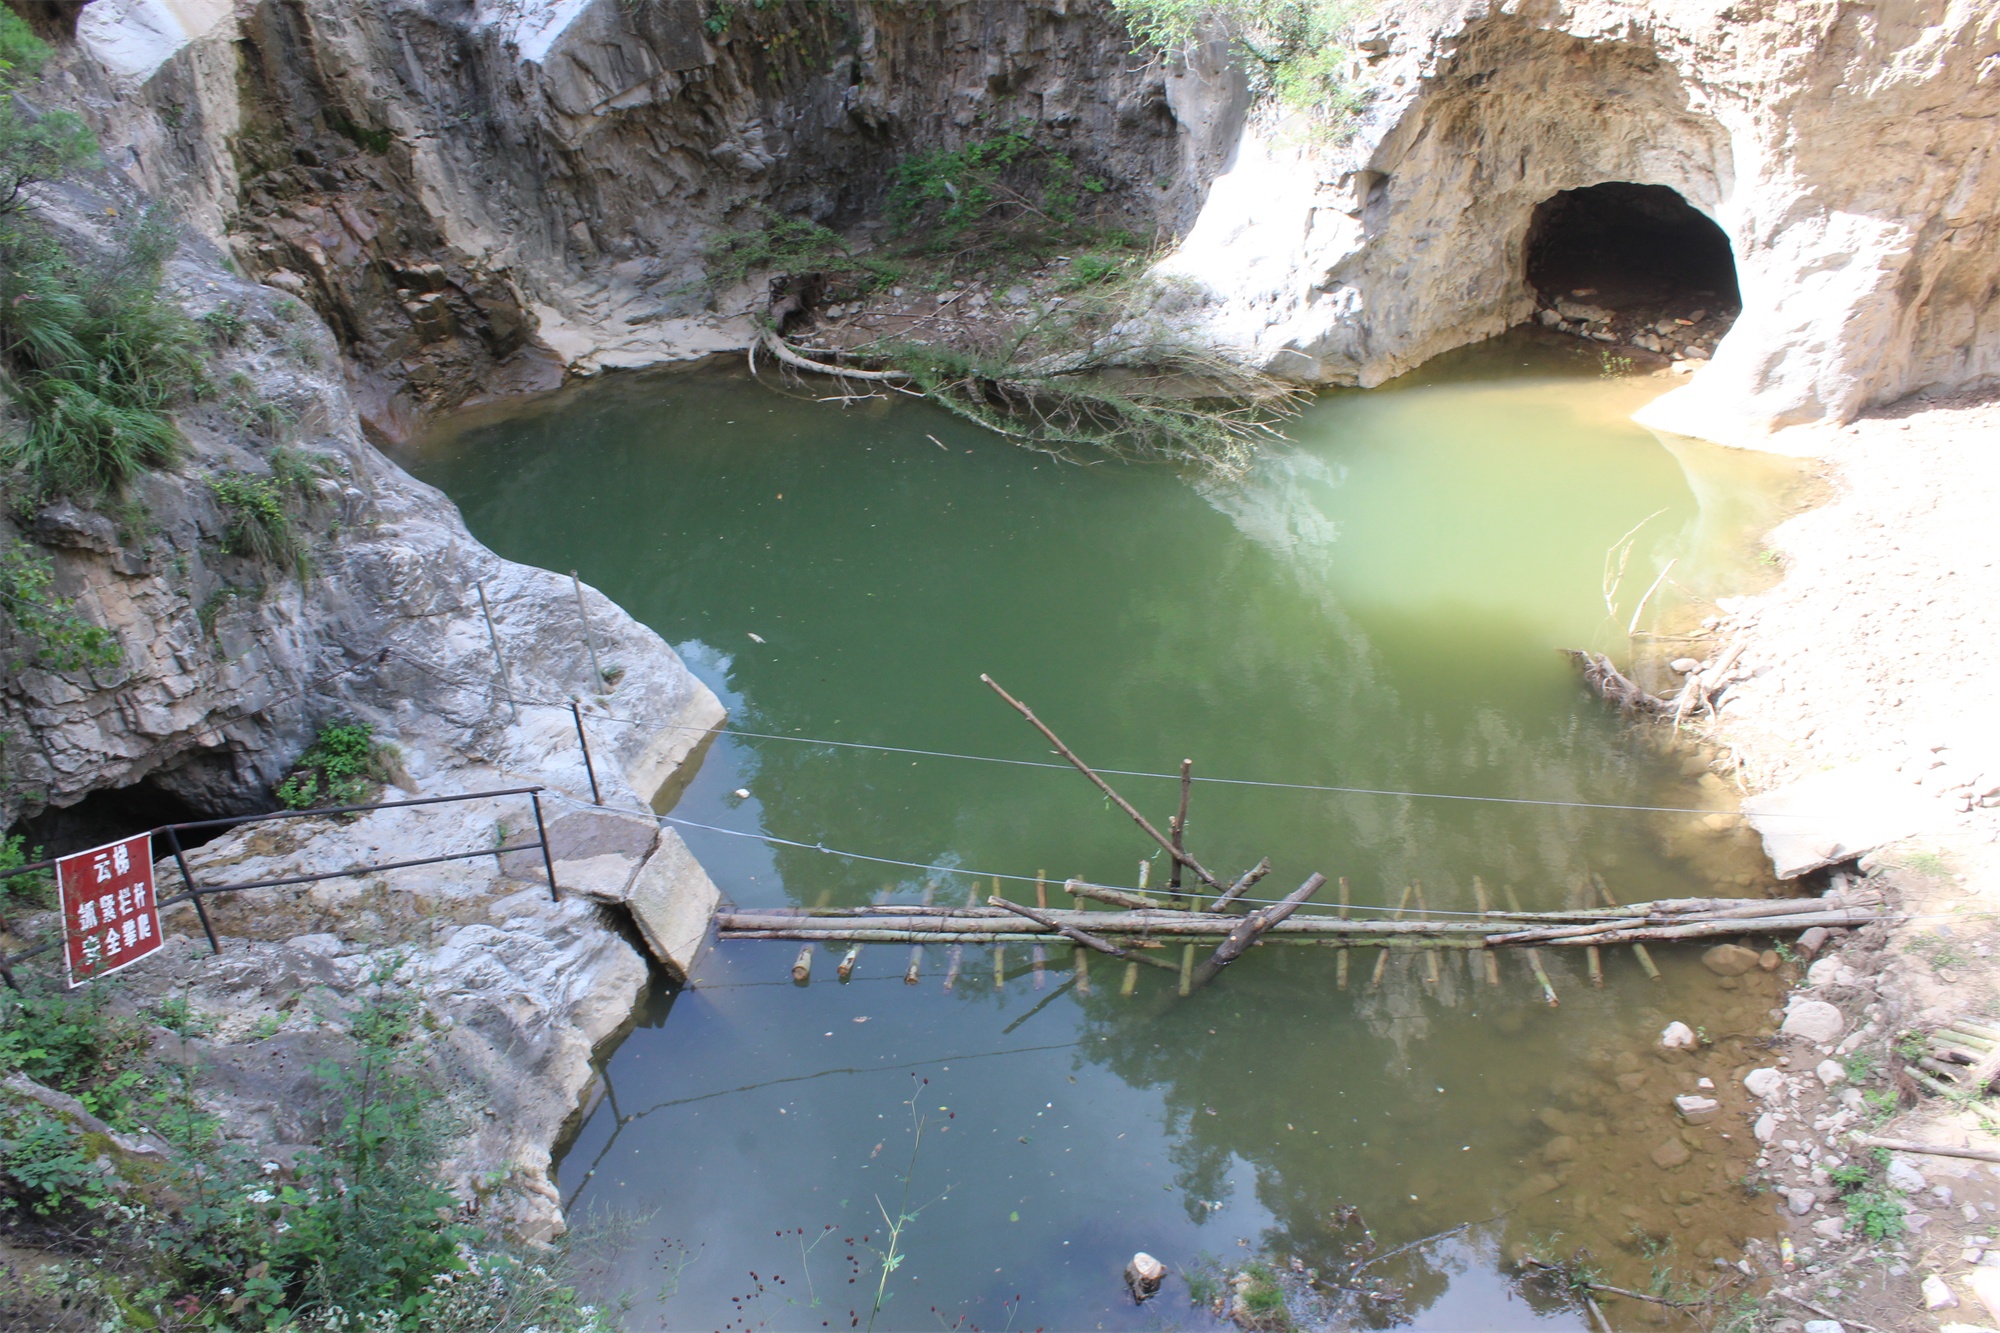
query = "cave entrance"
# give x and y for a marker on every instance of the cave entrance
(117, 812)
(1628, 247)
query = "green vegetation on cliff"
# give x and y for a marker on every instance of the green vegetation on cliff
(1296, 50)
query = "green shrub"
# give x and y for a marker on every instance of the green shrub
(343, 766)
(261, 522)
(38, 148)
(989, 185)
(55, 637)
(70, 1041)
(1296, 49)
(1877, 1212)
(33, 888)
(96, 353)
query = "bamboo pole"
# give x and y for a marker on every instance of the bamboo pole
(1534, 955)
(916, 967)
(1492, 961)
(1038, 957)
(1382, 960)
(1179, 826)
(1117, 897)
(1081, 937)
(1080, 958)
(847, 961)
(1431, 977)
(1180, 856)
(1241, 886)
(1639, 951)
(953, 956)
(1131, 981)
(1187, 970)
(802, 966)
(1339, 959)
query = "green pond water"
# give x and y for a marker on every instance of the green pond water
(1377, 606)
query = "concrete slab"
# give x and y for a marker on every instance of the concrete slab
(1826, 818)
(672, 901)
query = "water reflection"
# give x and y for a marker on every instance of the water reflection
(1374, 608)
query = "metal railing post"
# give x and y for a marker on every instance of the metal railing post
(542, 832)
(499, 661)
(589, 639)
(187, 877)
(584, 742)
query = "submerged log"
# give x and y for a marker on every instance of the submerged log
(1251, 927)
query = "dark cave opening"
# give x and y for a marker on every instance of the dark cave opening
(1625, 246)
(111, 814)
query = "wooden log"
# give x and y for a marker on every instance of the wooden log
(1116, 897)
(1082, 937)
(954, 957)
(1131, 982)
(1038, 962)
(802, 966)
(1145, 825)
(1339, 959)
(1594, 961)
(1187, 970)
(1927, 1149)
(999, 966)
(1241, 886)
(1382, 960)
(1250, 927)
(847, 961)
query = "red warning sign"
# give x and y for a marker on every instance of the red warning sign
(110, 919)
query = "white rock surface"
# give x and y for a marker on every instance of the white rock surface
(1815, 1021)
(1830, 1072)
(1677, 1036)
(1904, 1175)
(1763, 1082)
(1824, 818)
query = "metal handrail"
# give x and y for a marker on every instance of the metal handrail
(193, 892)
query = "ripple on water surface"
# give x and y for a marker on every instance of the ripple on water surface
(1374, 607)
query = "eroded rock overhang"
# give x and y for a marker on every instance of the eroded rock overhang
(1846, 151)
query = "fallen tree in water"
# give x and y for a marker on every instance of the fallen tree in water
(1104, 372)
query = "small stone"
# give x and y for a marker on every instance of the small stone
(1815, 1021)
(1824, 1326)
(1766, 1127)
(1763, 1082)
(1143, 1275)
(1823, 973)
(1671, 1154)
(1905, 1177)
(1729, 960)
(1696, 1108)
(1970, 1255)
(1830, 1072)
(1676, 1037)
(1696, 352)
(1705, 1084)
(1686, 666)
(1561, 1148)
(1830, 1228)
(1937, 1296)
(1769, 960)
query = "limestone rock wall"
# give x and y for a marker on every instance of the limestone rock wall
(230, 663)
(1846, 149)
(479, 196)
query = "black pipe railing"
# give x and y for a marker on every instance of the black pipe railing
(193, 892)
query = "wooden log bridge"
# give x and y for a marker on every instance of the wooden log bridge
(1139, 922)
(1121, 932)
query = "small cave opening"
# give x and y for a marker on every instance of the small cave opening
(1626, 246)
(111, 814)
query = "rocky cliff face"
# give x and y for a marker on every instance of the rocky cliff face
(478, 196)
(1846, 150)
